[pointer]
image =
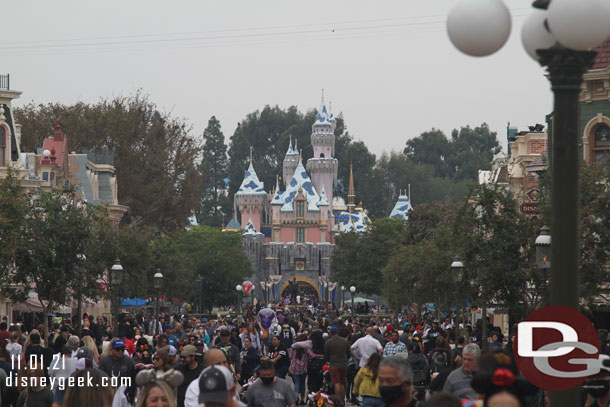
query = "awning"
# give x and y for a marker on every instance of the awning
(133, 302)
(32, 304)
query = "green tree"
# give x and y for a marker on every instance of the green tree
(472, 150)
(431, 148)
(214, 171)
(13, 211)
(156, 157)
(359, 257)
(49, 255)
(492, 238)
(216, 256)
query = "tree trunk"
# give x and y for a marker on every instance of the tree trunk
(79, 324)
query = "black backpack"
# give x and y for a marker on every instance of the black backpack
(439, 361)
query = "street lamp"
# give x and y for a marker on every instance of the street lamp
(199, 282)
(158, 283)
(575, 27)
(457, 272)
(116, 275)
(268, 284)
(352, 290)
(343, 296)
(543, 256)
(238, 289)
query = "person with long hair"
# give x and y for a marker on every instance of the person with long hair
(90, 342)
(299, 359)
(92, 394)
(157, 394)
(34, 394)
(366, 382)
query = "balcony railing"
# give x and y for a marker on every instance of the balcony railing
(5, 82)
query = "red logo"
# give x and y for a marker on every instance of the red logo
(556, 348)
(247, 286)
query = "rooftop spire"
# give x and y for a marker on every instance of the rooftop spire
(351, 194)
(250, 155)
(322, 102)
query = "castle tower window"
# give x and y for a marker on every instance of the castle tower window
(300, 235)
(300, 209)
(601, 144)
(2, 146)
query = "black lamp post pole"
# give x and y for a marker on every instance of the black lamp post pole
(566, 68)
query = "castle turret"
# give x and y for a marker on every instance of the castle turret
(251, 199)
(323, 166)
(291, 160)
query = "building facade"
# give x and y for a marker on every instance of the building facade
(289, 232)
(52, 166)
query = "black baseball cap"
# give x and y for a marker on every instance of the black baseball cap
(215, 384)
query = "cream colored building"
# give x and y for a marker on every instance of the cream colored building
(92, 174)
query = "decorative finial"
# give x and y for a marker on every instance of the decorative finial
(300, 158)
(250, 155)
(330, 107)
(295, 143)
(322, 104)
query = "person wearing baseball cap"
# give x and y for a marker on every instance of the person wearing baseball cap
(190, 368)
(117, 364)
(217, 388)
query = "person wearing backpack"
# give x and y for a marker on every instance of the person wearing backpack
(419, 365)
(440, 356)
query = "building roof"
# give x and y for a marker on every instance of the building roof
(251, 185)
(356, 221)
(300, 179)
(250, 229)
(57, 146)
(602, 60)
(292, 150)
(324, 117)
(232, 225)
(402, 208)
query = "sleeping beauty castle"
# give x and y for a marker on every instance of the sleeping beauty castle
(289, 233)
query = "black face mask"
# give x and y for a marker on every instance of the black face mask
(596, 388)
(267, 380)
(390, 394)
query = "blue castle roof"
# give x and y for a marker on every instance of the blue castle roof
(300, 179)
(250, 229)
(251, 185)
(402, 208)
(355, 221)
(324, 117)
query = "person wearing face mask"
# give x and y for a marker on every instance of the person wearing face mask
(597, 386)
(269, 390)
(395, 378)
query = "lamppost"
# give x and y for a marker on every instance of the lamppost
(268, 284)
(457, 272)
(199, 282)
(325, 285)
(158, 283)
(558, 34)
(116, 274)
(352, 290)
(238, 289)
(343, 296)
(543, 256)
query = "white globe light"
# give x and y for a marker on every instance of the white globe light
(352, 289)
(238, 287)
(479, 27)
(580, 24)
(534, 34)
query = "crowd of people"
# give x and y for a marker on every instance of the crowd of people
(305, 356)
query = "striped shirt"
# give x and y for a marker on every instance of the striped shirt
(459, 384)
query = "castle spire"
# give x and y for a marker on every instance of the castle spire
(351, 194)
(322, 102)
(250, 155)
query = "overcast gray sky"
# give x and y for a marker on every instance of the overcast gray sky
(387, 65)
